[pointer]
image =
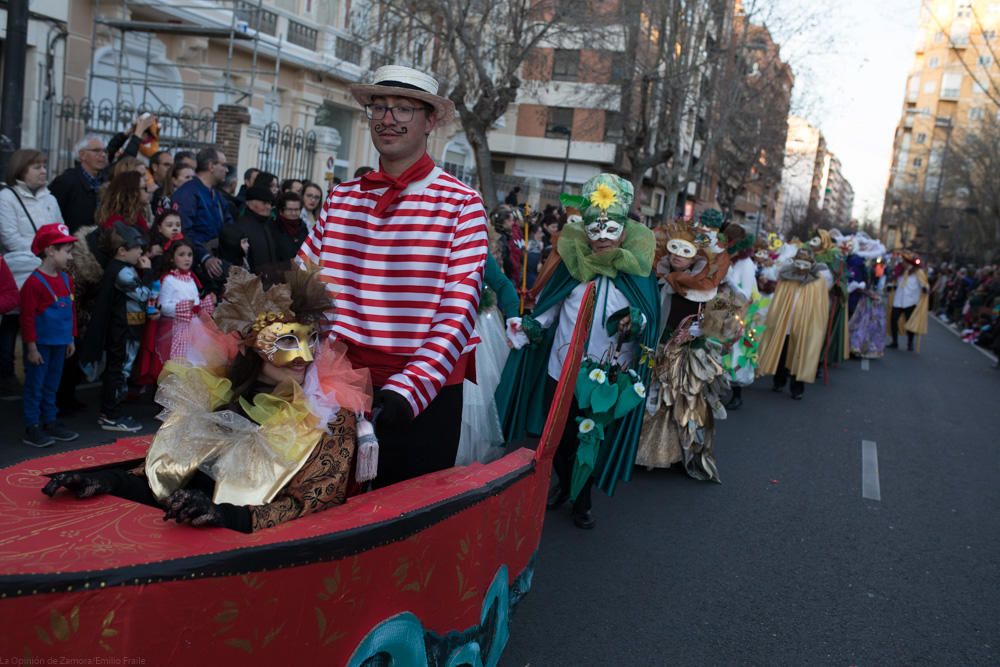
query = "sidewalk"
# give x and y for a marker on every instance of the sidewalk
(12, 450)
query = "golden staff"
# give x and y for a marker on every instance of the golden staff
(524, 263)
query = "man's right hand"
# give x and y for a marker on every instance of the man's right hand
(393, 410)
(214, 266)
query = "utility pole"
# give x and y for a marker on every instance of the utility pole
(14, 49)
(562, 129)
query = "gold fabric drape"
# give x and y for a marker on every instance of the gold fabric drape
(808, 328)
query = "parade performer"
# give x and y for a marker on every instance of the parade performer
(405, 246)
(688, 378)
(836, 345)
(482, 437)
(908, 294)
(796, 325)
(867, 323)
(616, 254)
(741, 361)
(259, 418)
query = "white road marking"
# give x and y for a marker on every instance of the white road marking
(870, 489)
(865, 366)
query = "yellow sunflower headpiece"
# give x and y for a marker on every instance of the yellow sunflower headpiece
(604, 197)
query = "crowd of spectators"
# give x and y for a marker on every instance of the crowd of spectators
(969, 300)
(119, 200)
(525, 239)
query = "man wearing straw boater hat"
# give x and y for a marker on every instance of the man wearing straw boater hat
(403, 248)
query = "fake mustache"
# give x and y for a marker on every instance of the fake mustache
(381, 129)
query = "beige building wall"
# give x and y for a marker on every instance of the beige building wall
(945, 95)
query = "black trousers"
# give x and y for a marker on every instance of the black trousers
(71, 378)
(427, 444)
(9, 328)
(782, 375)
(121, 353)
(894, 325)
(565, 455)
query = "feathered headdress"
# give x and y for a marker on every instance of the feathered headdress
(246, 307)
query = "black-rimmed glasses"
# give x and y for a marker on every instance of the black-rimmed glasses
(399, 114)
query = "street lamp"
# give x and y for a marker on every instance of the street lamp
(562, 129)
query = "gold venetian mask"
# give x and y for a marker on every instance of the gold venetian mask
(284, 344)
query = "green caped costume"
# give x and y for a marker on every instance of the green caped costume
(521, 393)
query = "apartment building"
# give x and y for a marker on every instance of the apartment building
(750, 159)
(836, 195)
(814, 191)
(946, 95)
(802, 174)
(563, 127)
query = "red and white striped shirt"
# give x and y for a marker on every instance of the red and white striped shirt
(407, 284)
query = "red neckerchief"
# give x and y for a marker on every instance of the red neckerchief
(395, 185)
(290, 226)
(186, 275)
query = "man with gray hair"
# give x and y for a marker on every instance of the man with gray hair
(76, 188)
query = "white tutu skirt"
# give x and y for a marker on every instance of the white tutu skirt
(482, 437)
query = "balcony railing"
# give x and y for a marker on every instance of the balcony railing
(302, 35)
(256, 18)
(348, 50)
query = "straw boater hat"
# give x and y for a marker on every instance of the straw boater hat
(405, 82)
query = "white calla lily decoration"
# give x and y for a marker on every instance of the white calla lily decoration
(587, 425)
(640, 389)
(598, 376)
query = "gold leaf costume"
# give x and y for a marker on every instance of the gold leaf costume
(686, 389)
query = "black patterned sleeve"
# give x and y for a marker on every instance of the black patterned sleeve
(322, 481)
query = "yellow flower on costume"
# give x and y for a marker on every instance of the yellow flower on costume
(603, 197)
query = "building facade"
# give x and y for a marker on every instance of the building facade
(94, 64)
(744, 171)
(815, 193)
(947, 94)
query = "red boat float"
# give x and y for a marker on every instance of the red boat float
(425, 572)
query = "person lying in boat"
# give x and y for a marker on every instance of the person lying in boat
(259, 422)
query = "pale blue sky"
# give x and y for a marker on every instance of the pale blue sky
(858, 76)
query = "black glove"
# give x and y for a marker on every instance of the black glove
(391, 410)
(193, 507)
(83, 484)
(196, 508)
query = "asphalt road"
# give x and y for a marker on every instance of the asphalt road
(786, 563)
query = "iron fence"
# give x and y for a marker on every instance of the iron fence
(68, 121)
(286, 151)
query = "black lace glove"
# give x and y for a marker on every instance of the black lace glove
(196, 508)
(82, 484)
(392, 410)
